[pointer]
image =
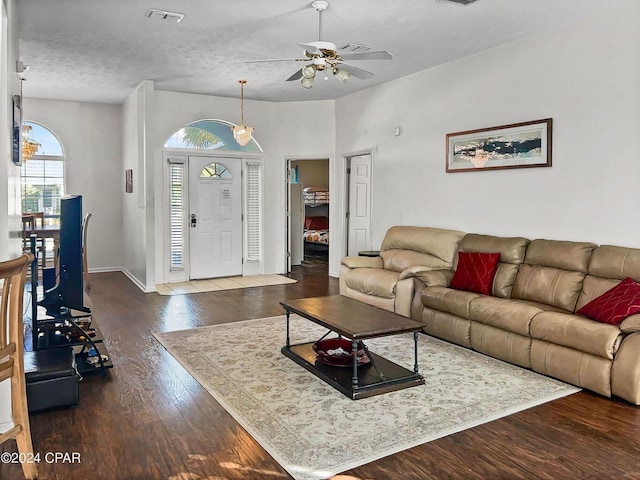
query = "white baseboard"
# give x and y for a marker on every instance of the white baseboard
(136, 282)
(105, 269)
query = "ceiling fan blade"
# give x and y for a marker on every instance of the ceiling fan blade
(309, 47)
(356, 71)
(278, 60)
(295, 76)
(381, 55)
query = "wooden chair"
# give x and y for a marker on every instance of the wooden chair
(13, 274)
(85, 263)
(29, 225)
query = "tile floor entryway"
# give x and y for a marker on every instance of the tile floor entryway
(216, 284)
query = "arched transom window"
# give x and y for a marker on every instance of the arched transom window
(209, 135)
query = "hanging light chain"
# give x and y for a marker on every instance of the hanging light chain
(242, 82)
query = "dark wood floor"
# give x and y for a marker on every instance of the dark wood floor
(150, 420)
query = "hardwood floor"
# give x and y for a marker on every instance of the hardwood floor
(151, 420)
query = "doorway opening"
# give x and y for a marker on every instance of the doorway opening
(308, 207)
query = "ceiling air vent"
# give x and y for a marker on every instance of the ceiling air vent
(459, 2)
(164, 15)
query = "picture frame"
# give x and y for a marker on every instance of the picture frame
(17, 130)
(517, 145)
(128, 181)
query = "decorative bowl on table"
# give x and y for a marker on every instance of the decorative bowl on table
(337, 352)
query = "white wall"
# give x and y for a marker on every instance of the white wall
(585, 76)
(133, 212)
(91, 137)
(10, 204)
(9, 173)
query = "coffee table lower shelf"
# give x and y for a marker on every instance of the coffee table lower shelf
(370, 383)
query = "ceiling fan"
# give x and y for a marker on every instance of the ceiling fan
(323, 57)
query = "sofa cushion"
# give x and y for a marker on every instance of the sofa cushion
(512, 252)
(615, 304)
(553, 286)
(631, 324)
(475, 272)
(593, 287)
(608, 261)
(503, 313)
(448, 300)
(372, 281)
(577, 332)
(407, 246)
(560, 254)
(511, 249)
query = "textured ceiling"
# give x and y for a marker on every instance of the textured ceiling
(100, 50)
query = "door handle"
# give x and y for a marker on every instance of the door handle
(194, 220)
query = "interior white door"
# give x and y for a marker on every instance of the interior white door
(296, 209)
(215, 217)
(359, 213)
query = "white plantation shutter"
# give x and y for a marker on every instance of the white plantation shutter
(253, 209)
(176, 216)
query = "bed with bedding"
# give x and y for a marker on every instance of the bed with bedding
(316, 230)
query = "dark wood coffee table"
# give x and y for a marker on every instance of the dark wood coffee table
(356, 321)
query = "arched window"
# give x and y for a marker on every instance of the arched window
(42, 174)
(215, 170)
(209, 135)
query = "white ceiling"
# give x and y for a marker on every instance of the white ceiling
(100, 50)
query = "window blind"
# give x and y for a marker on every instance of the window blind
(253, 221)
(176, 213)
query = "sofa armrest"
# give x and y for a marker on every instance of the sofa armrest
(625, 373)
(631, 324)
(363, 262)
(435, 278)
(413, 271)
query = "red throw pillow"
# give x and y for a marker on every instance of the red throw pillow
(614, 305)
(475, 272)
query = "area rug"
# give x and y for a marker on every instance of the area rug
(226, 283)
(314, 431)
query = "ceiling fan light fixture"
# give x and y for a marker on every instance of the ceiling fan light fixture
(309, 71)
(307, 82)
(342, 75)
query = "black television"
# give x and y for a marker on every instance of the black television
(68, 293)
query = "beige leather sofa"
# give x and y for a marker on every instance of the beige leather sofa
(387, 281)
(529, 319)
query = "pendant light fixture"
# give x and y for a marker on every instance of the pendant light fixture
(242, 133)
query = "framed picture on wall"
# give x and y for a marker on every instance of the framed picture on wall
(519, 145)
(17, 130)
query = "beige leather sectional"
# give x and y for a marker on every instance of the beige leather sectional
(529, 319)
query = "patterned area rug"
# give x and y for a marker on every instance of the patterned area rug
(302, 422)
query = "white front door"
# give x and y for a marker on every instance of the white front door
(359, 232)
(215, 217)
